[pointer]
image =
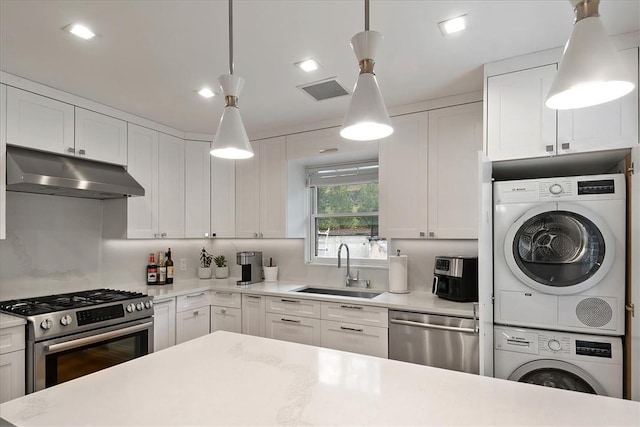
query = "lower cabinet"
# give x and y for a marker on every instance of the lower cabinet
(226, 319)
(302, 330)
(253, 315)
(164, 324)
(12, 360)
(355, 338)
(192, 317)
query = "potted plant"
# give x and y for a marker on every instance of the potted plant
(204, 272)
(222, 270)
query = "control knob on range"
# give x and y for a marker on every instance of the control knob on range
(66, 320)
(554, 345)
(139, 306)
(148, 304)
(555, 189)
(131, 307)
(46, 324)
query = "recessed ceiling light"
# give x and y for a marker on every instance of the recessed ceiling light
(80, 31)
(205, 92)
(308, 65)
(454, 25)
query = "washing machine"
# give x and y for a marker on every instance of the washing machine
(559, 253)
(565, 360)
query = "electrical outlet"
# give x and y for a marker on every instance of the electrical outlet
(183, 264)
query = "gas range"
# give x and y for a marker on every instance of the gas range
(63, 314)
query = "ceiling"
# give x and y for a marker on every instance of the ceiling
(150, 56)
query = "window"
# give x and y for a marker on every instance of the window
(344, 209)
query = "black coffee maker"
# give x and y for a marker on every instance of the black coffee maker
(456, 278)
(251, 264)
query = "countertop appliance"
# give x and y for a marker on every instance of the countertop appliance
(251, 265)
(74, 334)
(559, 253)
(433, 340)
(456, 278)
(569, 361)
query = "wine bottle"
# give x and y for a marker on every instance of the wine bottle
(152, 271)
(169, 264)
(162, 269)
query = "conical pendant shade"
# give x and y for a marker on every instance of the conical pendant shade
(591, 71)
(231, 140)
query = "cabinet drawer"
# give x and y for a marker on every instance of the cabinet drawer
(226, 319)
(302, 330)
(226, 299)
(196, 299)
(361, 339)
(192, 324)
(12, 375)
(293, 306)
(12, 339)
(355, 313)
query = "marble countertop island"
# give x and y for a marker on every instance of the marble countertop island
(231, 379)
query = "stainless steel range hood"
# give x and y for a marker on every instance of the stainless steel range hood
(30, 171)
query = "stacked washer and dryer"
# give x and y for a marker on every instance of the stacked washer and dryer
(559, 282)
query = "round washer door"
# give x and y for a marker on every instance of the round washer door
(559, 248)
(557, 374)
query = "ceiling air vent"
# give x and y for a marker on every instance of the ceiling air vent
(324, 89)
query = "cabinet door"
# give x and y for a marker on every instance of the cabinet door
(223, 197)
(455, 137)
(606, 126)
(164, 324)
(226, 319)
(248, 196)
(519, 125)
(273, 187)
(171, 186)
(403, 178)
(12, 375)
(34, 121)
(292, 328)
(3, 162)
(100, 137)
(192, 324)
(253, 315)
(142, 154)
(197, 203)
(360, 339)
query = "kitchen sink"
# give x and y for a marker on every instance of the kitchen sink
(340, 292)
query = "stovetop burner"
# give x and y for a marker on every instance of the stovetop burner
(53, 303)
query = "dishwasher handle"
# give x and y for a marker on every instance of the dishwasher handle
(436, 327)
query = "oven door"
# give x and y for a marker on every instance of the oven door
(62, 359)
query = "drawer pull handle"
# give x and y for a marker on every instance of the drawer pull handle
(253, 296)
(353, 307)
(344, 328)
(290, 320)
(196, 312)
(225, 293)
(195, 295)
(290, 300)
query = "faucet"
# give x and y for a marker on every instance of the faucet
(348, 280)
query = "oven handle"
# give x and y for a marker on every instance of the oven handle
(54, 348)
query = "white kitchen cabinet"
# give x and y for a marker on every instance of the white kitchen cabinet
(171, 186)
(226, 319)
(403, 178)
(12, 362)
(100, 137)
(3, 162)
(223, 197)
(193, 316)
(285, 327)
(253, 315)
(293, 306)
(455, 138)
(355, 313)
(261, 191)
(38, 122)
(164, 324)
(355, 338)
(197, 189)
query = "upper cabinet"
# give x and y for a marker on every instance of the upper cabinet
(261, 183)
(519, 125)
(171, 186)
(3, 162)
(223, 197)
(42, 123)
(197, 185)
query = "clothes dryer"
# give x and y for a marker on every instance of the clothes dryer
(559, 253)
(569, 361)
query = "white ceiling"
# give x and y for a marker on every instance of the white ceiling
(150, 56)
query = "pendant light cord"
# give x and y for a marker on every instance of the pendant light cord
(230, 36)
(366, 15)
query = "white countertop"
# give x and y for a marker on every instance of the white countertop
(8, 321)
(232, 379)
(419, 301)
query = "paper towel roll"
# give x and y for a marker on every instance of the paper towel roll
(398, 274)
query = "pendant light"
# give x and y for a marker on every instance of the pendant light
(231, 140)
(367, 116)
(591, 71)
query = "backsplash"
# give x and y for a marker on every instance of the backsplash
(55, 244)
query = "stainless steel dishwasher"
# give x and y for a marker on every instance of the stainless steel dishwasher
(433, 340)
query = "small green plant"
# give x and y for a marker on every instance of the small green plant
(220, 261)
(205, 258)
